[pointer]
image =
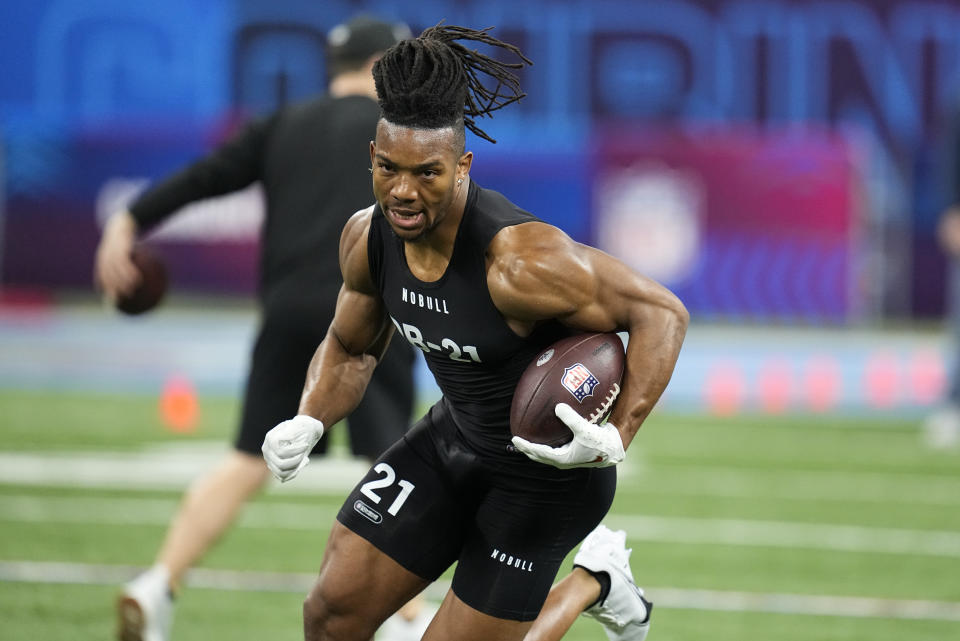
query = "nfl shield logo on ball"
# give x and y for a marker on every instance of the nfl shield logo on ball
(579, 381)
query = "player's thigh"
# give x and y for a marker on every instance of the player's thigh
(525, 527)
(410, 504)
(381, 419)
(384, 414)
(275, 382)
(358, 586)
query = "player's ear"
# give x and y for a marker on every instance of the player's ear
(464, 163)
(373, 151)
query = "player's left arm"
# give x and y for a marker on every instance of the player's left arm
(536, 272)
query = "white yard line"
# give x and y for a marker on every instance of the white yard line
(789, 534)
(141, 511)
(677, 530)
(175, 466)
(796, 484)
(820, 605)
(162, 467)
(663, 597)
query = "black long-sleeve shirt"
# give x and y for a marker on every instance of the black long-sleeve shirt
(312, 160)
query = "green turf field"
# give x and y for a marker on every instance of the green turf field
(742, 528)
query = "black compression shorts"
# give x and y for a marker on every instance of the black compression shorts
(280, 359)
(432, 500)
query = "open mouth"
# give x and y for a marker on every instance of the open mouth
(405, 218)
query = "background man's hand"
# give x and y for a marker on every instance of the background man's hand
(114, 271)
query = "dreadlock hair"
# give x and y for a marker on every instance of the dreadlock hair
(432, 81)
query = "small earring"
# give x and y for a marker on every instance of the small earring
(459, 181)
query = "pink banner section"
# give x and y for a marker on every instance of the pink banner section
(877, 380)
(740, 223)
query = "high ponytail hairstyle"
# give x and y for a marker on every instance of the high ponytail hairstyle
(433, 81)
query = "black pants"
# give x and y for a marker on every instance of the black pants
(508, 523)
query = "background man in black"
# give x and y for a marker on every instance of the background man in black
(941, 429)
(312, 161)
(453, 490)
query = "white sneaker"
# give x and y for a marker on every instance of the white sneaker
(625, 614)
(145, 608)
(396, 628)
(941, 430)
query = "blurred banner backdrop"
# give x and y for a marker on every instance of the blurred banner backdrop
(768, 160)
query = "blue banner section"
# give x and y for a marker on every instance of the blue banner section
(101, 96)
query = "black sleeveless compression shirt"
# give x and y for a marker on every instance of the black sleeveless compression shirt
(474, 356)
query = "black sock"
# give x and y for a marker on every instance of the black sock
(603, 579)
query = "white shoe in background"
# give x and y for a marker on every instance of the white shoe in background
(397, 628)
(941, 430)
(145, 607)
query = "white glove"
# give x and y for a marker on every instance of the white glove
(592, 445)
(286, 448)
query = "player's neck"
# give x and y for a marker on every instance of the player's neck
(352, 84)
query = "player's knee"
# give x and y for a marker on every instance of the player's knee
(316, 617)
(327, 618)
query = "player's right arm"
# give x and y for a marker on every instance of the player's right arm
(343, 363)
(232, 166)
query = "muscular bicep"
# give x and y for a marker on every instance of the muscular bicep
(539, 273)
(536, 272)
(360, 323)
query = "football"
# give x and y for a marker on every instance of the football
(583, 371)
(153, 282)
